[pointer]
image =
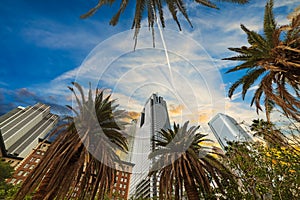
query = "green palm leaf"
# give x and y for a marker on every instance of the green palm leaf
(182, 162)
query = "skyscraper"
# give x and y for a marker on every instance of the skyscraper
(21, 128)
(226, 129)
(154, 117)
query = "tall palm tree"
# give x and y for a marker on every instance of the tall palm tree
(273, 59)
(82, 158)
(151, 7)
(183, 164)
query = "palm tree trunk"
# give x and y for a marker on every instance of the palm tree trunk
(191, 190)
(176, 191)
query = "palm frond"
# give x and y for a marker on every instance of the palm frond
(80, 157)
(115, 19)
(269, 23)
(248, 64)
(249, 79)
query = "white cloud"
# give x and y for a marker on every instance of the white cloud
(56, 35)
(195, 82)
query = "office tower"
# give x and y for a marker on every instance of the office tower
(154, 117)
(21, 128)
(226, 129)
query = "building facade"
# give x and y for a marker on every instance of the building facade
(154, 117)
(120, 189)
(226, 129)
(29, 163)
(21, 128)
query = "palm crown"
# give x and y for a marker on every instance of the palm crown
(183, 164)
(275, 58)
(83, 156)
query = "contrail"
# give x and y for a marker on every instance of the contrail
(169, 66)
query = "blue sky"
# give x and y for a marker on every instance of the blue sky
(45, 46)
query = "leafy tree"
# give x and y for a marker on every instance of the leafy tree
(84, 155)
(12, 192)
(152, 8)
(268, 132)
(265, 172)
(5, 172)
(184, 164)
(273, 58)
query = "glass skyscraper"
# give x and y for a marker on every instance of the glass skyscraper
(226, 129)
(154, 117)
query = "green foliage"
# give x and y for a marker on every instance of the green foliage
(264, 171)
(5, 173)
(13, 191)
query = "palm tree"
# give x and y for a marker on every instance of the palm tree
(183, 164)
(152, 7)
(82, 158)
(274, 59)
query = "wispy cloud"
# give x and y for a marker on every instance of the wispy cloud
(193, 87)
(54, 34)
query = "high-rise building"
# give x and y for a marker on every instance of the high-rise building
(226, 129)
(154, 117)
(21, 128)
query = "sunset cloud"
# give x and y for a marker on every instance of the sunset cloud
(175, 109)
(133, 114)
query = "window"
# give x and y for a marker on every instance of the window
(19, 181)
(32, 159)
(38, 152)
(142, 119)
(13, 180)
(32, 166)
(73, 194)
(37, 160)
(26, 174)
(26, 166)
(20, 172)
